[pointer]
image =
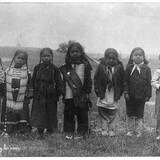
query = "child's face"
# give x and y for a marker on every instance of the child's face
(46, 57)
(19, 60)
(111, 59)
(75, 53)
(137, 57)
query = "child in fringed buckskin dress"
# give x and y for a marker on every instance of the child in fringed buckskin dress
(17, 93)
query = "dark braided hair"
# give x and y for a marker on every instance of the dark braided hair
(16, 54)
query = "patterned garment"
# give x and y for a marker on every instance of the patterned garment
(2, 76)
(21, 75)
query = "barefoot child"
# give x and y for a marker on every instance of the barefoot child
(48, 87)
(137, 89)
(108, 86)
(77, 85)
(15, 109)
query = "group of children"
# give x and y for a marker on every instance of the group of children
(73, 82)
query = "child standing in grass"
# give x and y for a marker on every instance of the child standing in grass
(48, 87)
(137, 89)
(77, 85)
(17, 89)
(155, 82)
(108, 86)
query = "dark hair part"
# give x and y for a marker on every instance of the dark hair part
(130, 61)
(44, 50)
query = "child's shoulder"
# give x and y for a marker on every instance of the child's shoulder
(145, 66)
(36, 66)
(62, 66)
(129, 66)
(54, 66)
(157, 70)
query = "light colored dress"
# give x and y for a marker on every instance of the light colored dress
(155, 82)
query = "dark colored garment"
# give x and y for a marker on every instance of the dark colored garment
(16, 87)
(135, 107)
(138, 85)
(87, 85)
(48, 86)
(71, 110)
(101, 80)
(69, 118)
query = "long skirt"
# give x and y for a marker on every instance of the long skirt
(44, 113)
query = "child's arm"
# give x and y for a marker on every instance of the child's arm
(2, 83)
(34, 75)
(2, 80)
(87, 87)
(155, 82)
(122, 79)
(149, 87)
(29, 93)
(96, 81)
(126, 81)
(59, 85)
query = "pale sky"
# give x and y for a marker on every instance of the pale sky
(96, 26)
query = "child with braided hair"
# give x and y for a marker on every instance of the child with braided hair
(17, 89)
(48, 87)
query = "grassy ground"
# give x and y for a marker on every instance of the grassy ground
(56, 145)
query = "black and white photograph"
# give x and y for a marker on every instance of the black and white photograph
(79, 79)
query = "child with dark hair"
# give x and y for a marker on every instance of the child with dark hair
(48, 87)
(15, 109)
(108, 86)
(77, 85)
(137, 89)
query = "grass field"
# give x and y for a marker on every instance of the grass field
(57, 146)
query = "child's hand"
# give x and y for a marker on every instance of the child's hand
(30, 94)
(63, 100)
(87, 96)
(126, 96)
(147, 99)
(96, 93)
